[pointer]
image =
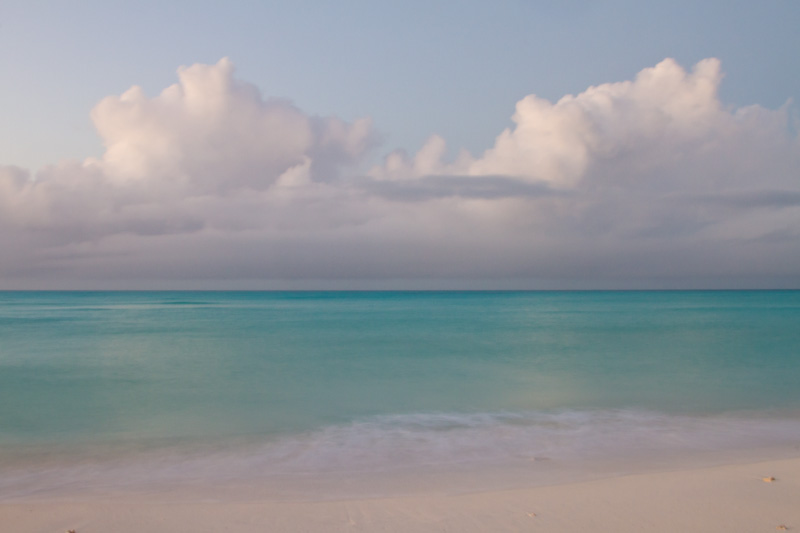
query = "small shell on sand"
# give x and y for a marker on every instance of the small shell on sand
(782, 527)
(768, 479)
(532, 515)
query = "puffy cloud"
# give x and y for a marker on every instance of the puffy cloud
(210, 132)
(645, 182)
(663, 117)
(201, 141)
(658, 157)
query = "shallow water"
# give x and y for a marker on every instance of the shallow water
(247, 387)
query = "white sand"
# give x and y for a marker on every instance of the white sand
(729, 498)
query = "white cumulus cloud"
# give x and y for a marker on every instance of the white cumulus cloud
(213, 132)
(644, 182)
(665, 115)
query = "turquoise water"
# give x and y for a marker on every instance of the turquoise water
(259, 384)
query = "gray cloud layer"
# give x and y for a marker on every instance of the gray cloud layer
(649, 182)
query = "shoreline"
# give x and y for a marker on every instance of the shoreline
(720, 498)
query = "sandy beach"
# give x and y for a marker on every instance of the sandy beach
(742, 497)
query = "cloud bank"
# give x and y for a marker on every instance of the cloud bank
(649, 182)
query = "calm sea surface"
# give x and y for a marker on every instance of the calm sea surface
(254, 387)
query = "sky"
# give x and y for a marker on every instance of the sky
(470, 145)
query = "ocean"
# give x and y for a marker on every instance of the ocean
(330, 394)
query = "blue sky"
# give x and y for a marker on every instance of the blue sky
(416, 67)
(389, 76)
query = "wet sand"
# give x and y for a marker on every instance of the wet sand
(732, 498)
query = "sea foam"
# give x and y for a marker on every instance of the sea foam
(506, 448)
